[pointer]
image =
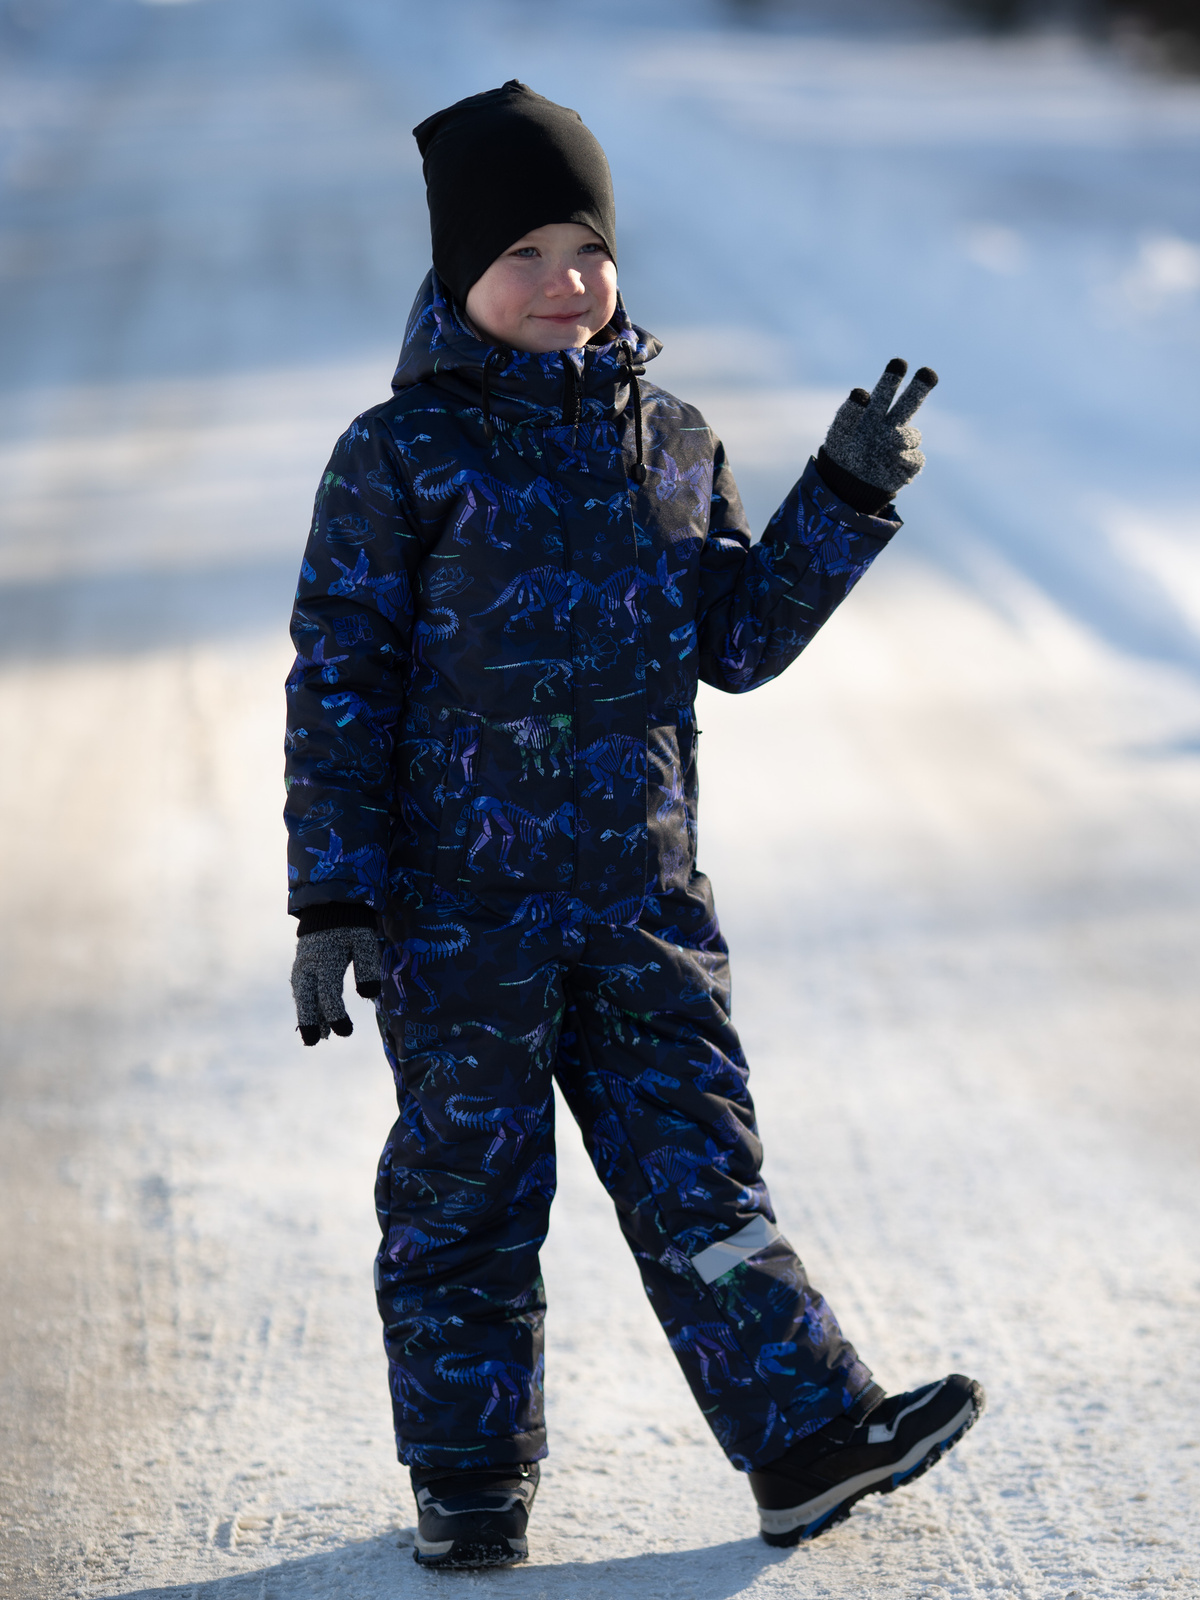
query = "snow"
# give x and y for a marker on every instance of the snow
(956, 850)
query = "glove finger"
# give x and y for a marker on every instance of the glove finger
(367, 977)
(910, 462)
(331, 973)
(850, 413)
(304, 992)
(923, 381)
(884, 391)
(846, 421)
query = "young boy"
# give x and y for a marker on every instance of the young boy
(519, 567)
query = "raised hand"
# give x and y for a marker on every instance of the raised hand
(870, 438)
(319, 972)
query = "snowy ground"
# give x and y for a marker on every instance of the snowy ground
(957, 850)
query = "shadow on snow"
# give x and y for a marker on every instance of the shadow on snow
(384, 1567)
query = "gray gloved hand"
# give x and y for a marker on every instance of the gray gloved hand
(873, 444)
(319, 971)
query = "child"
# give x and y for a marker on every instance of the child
(518, 569)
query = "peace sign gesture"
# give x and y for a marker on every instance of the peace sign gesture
(871, 451)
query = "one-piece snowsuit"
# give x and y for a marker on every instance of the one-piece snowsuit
(518, 568)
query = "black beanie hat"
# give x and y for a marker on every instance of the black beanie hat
(501, 164)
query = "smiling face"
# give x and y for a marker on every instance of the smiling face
(552, 290)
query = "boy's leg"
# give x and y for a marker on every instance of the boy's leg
(652, 1069)
(470, 1022)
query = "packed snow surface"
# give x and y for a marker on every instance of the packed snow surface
(956, 848)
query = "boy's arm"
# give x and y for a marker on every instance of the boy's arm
(352, 626)
(761, 604)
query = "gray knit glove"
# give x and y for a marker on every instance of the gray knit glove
(319, 971)
(873, 446)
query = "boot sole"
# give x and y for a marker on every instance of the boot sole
(816, 1517)
(454, 1555)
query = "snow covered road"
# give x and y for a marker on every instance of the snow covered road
(964, 927)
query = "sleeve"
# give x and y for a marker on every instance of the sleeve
(760, 604)
(352, 628)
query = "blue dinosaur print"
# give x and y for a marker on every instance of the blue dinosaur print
(349, 707)
(562, 912)
(420, 751)
(538, 1180)
(507, 1384)
(660, 1093)
(622, 588)
(447, 582)
(696, 476)
(539, 589)
(610, 759)
(515, 1122)
(439, 1068)
(403, 448)
(499, 637)
(711, 1344)
(418, 1328)
(621, 973)
(364, 868)
(391, 591)
(465, 1202)
(354, 629)
(475, 488)
(631, 839)
(322, 816)
(404, 1391)
(510, 820)
(557, 676)
(607, 1146)
(673, 793)
(326, 667)
(412, 953)
(671, 1167)
(426, 632)
(779, 1360)
(577, 445)
(348, 530)
(616, 506)
(536, 737)
(408, 1242)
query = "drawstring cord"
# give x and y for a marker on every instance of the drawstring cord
(489, 427)
(638, 471)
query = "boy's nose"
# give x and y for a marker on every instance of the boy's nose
(569, 282)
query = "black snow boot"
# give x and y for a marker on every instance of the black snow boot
(813, 1484)
(475, 1518)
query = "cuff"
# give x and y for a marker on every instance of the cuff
(859, 496)
(334, 914)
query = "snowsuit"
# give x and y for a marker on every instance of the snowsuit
(518, 568)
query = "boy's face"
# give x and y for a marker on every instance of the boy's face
(552, 290)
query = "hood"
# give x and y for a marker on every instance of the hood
(542, 389)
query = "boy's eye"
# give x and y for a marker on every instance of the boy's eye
(527, 251)
(592, 250)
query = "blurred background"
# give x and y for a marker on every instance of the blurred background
(956, 850)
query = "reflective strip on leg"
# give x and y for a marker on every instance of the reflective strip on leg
(716, 1260)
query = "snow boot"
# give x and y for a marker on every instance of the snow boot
(812, 1486)
(475, 1518)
